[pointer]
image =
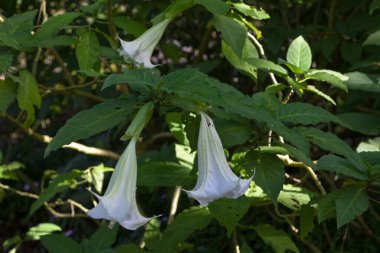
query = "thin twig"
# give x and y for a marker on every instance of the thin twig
(18, 192)
(289, 162)
(73, 145)
(262, 54)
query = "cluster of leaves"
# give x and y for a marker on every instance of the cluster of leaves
(305, 172)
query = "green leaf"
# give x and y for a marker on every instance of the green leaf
(173, 10)
(129, 26)
(59, 184)
(339, 165)
(352, 202)
(182, 227)
(233, 32)
(164, 174)
(367, 124)
(95, 176)
(87, 51)
(28, 95)
(304, 114)
(103, 238)
(130, 248)
(63, 40)
(269, 172)
(15, 32)
(276, 238)
(7, 171)
(251, 11)
(326, 205)
(299, 154)
(228, 212)
(139, 121)
(54, 24)
(268, 66)
(60, 244)
(331, 142)
(307, 214)
(240, 63)
(231, 132)
(42, 229)
(325, 75)
(90, 122)
(299, 54)
(312, 88)
(375, 4)
(141, 80)
(363, 81)
(5, 60)
(177, 128)
(293, 197)
(373, 39)
(152, 233)
(217, 7)
(371, 145)
(7, 93)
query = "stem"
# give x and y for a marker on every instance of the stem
(111, 26)
(174, 204)
(66, 71)
(262, 54)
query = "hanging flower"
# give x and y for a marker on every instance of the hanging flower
(215, 177)
(118, 204)
(140, 50)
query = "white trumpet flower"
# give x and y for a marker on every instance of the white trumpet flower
(215, 177)
(141, 49)
(118, 204)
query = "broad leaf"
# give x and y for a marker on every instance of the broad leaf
(167, 174)
(54, 24)
(217, 7)
(5, 59)
(138, 79)
(326, 205)
(15, 32)
(129, 26)
(42, 229)
(325, 75)
(307, 214)
(363, 81)
(367, 124)
(228, 212)
(232, 132)
(7, 93)
(173, 10)
(339, 165)
(60, 244)
(276, 238)
(352, 202)
(269, 172)
(103, 238)
(373, 39)
(299, 54)
(293, 197)
(233, 32)
(28, 95)
(331, 142)
(88, 51)
(90, 122)
(304, 114)
(251, 11)
(182, 227)
(268, 66)
(240, 63)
